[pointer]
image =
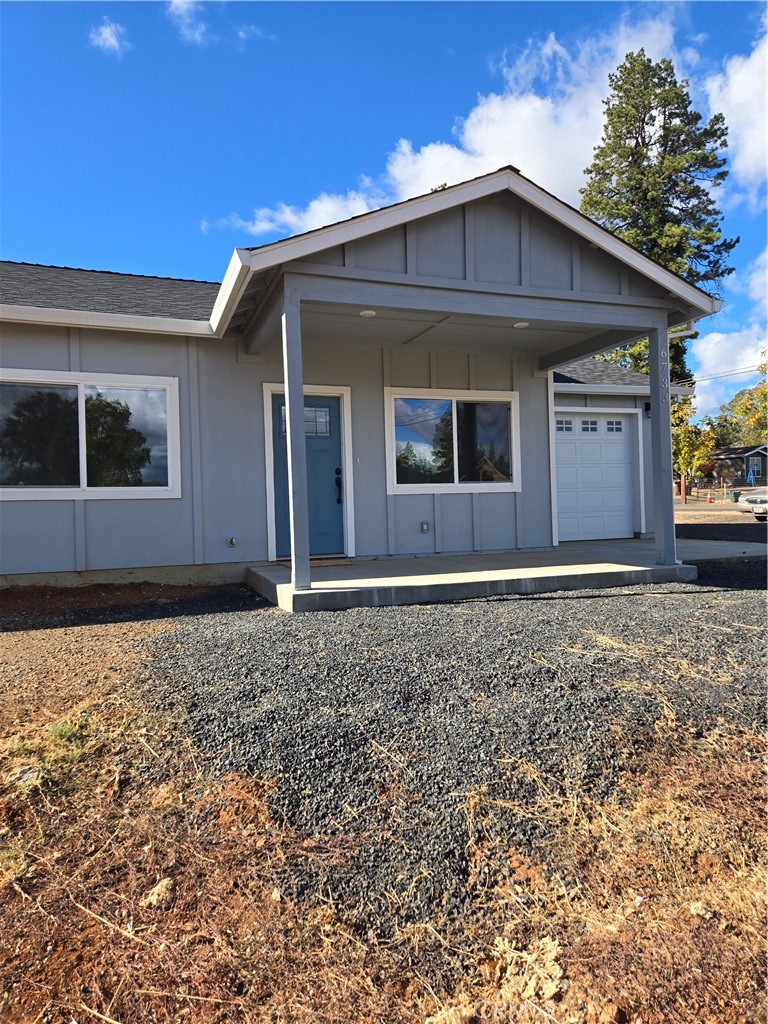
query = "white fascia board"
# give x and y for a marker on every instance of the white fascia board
(615, 389)
(107, 321)
(231, 291)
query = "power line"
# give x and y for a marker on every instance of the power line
(717, 376)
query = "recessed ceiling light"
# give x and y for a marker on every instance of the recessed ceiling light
(367, 312)
(521, 323)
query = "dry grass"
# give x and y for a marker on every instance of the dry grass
(134, 888)
(648, 907)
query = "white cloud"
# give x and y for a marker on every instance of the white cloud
(187, 17)
(246, 32)
(721, 352)
(717, 354)
(110, 36)
(739, 93)
(293, 220)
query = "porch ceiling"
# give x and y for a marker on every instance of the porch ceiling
(329, 323)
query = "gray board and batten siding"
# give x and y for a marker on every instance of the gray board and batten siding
(223, 464)
(448, 289)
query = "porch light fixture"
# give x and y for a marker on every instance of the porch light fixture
(367, 312)
(520, 324)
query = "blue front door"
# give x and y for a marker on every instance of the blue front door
(322, 430)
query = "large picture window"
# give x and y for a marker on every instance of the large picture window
(438, 441)
(69, 435)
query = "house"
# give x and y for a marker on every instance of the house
(740, 466)
(400, 383)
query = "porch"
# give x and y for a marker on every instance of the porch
(577, 565)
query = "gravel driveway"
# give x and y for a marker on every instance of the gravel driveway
(400, 737)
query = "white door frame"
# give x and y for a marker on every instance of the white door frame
(584, 410)
(345, 394)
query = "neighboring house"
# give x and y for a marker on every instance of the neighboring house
(740, 466)
(144, 419)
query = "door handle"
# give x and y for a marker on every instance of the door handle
(338, 485)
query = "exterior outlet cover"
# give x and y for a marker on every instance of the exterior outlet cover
(424, 526)
(231, 542)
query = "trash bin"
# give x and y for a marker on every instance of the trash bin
(734, 496)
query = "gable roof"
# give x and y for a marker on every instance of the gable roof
(247, 262)
(103, 291)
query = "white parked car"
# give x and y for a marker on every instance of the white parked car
(755, 502)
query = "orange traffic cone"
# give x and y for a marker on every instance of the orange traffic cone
(710, 499)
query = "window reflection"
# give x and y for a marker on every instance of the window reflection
(126, 437)
(39, 435)
(424, 440)
(483, 441)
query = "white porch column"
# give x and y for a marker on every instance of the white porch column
(661, 448)
(293, 376)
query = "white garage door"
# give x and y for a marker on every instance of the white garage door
(594, 476)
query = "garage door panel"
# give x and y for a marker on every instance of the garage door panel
(591, 501)
(616, 500)
(590, 477)
(618, 477)
(568, 528)
(566, 452)
(567, 501)
(595, 484)
(568, 476)
(591, 452)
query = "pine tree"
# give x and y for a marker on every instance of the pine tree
(651, 183)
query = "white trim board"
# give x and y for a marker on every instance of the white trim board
(345, 394)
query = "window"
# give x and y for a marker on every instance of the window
(564, 426)
(438, 441)
(70, 435)
(589, 426)
(317, 421)
(614, 426)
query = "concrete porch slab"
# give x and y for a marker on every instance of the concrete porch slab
(571, 566)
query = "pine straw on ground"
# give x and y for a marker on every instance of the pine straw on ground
(135, 888)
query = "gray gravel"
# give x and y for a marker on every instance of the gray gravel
(378, 724)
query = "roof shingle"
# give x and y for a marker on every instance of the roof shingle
(597, 371)
(102, 291)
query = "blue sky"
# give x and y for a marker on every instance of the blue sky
(153, 138)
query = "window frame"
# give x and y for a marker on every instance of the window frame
(512, 398)
(107, 380)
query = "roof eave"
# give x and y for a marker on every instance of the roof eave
(109, 321)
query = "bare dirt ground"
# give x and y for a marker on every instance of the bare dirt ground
(136, 887)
